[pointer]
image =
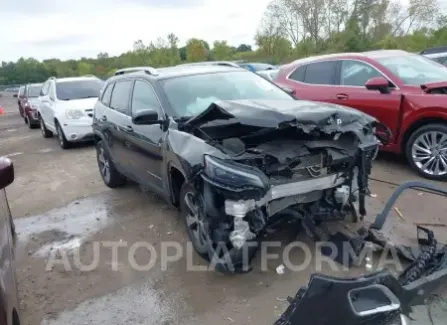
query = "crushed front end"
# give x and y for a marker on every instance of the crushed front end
(312, 169)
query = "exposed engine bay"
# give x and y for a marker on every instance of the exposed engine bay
(309, 163)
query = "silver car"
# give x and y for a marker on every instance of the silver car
(269, 74)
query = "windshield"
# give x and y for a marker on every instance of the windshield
(415, 69)
(34, 90)
(191, 95)
(78, 89)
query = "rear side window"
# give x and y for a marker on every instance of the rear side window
(120, 96)
(107, 95)
(298, 74)
(320, 73)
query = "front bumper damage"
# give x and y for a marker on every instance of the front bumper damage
(379, 298)
(278, 161)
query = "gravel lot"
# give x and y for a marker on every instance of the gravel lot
(59, 200)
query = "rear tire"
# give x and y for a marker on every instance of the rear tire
(111, 177)
(29, 123)
(45, 132)
(422, 149)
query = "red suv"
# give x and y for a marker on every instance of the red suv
(405, 91)
(9, 303)
(28, 101)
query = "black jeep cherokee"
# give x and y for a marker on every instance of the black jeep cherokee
(233, 151)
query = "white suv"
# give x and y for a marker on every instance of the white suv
(65, 107)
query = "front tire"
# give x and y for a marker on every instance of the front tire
(111, 177)
(225, 257)
(426, 151)
(61, 137)
(190, 209)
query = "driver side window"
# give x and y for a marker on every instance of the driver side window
(144, 97)
(355, 73)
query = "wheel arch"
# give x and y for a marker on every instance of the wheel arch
(176, 178)
(417, 125)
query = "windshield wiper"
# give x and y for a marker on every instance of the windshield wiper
(90, 96)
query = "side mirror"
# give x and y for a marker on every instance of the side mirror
(290, 91)
(378, 83)
(15, 96)
(146, 117)
(6, 172)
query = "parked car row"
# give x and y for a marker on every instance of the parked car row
(27, 101)
(61, 106)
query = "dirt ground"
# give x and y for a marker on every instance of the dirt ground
(60, 203)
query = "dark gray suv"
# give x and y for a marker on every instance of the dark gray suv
(233, 151)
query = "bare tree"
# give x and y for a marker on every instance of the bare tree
(288, 18)
(419, 13)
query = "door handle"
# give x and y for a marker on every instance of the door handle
(128, 128)
(342, 96)
(104, 118)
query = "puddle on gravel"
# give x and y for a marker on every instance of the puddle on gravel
(137, 304)
(67, 227)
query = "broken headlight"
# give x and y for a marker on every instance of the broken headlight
(232, 174)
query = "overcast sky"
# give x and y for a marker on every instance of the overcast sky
(71, 29)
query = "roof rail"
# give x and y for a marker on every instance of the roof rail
(434, 50)
(223, 63)
(148, 70)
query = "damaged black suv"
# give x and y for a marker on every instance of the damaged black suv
(233, 151)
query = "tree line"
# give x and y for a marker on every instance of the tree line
(289, 29)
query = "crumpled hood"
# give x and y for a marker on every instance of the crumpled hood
(430, 86)
(276, 113)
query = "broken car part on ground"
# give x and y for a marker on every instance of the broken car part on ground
(276, 159)
(379, 298)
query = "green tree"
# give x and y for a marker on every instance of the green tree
(195, 50)
(244, 48)
(222, 51)
(84, 68)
